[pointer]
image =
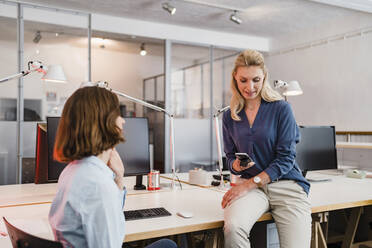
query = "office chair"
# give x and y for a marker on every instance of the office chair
(21, 239)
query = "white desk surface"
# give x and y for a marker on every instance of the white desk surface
(204, 204)
(26, 194)
(339, 193)
(184, 177)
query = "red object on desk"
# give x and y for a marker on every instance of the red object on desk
(233, 179)
(153, 180)
(41, 168)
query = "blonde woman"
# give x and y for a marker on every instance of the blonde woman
(261, 124)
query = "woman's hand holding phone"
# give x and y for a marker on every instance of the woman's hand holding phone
(242, 162)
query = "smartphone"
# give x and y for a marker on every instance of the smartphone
(244, 158)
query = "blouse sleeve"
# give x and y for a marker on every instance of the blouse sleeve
(288, 136)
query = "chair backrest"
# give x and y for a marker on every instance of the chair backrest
(21, 239)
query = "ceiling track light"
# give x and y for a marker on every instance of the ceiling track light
(143, 51)
(169, 8)
(37, 37)
(235, 18)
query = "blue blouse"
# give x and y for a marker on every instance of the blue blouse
(270, 142)
(87, 210)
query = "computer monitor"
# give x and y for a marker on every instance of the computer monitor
(316, 149)
(54, 167)
(134, 152)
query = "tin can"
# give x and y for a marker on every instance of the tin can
(153, 180)
(233, 179)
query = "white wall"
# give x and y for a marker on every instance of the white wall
(336, 79)
(324, 30)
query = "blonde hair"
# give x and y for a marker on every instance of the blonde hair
(250, 58)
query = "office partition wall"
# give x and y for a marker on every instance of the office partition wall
(46, 39)
(190, 102)
(36, 33)
(223, 65)
(64, 37)
(8, 104)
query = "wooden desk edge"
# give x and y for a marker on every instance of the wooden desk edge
(186, 182)
(25, 204)
(339, 206)
(354, 145)
(185, 229)
(172, 231)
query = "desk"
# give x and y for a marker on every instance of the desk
(31, 194)
(354, 145)
(340, 193)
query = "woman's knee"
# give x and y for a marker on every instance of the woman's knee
(236, 226)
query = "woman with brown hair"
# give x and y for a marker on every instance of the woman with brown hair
(87, 210)
(262, 125)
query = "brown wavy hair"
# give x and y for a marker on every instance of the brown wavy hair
(237, 102)
(88, 124)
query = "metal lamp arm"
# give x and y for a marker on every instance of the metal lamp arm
(38, 66)
(146, 104)
(218, 139)
(149, 105)
(220, 111)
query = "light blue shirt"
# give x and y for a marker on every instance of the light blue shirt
(88, 208)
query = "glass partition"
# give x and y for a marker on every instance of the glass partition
(190, 102)
(223, 65)
(8, 93)
(47, 40)
(135, 66)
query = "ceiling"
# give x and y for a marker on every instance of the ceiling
(263, 18)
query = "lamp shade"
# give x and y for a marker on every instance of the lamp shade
(55, 74)
(293, 89)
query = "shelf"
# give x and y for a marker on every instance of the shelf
(354, 145)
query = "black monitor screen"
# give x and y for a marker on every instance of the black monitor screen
(134, 151)
(317, 148)
(54, 168)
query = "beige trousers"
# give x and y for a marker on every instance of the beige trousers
(289, 206)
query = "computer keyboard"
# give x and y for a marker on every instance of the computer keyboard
(145, 213)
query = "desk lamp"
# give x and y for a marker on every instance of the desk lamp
(53, 74)
(218, 139)
(291, 88)
(171, 119)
